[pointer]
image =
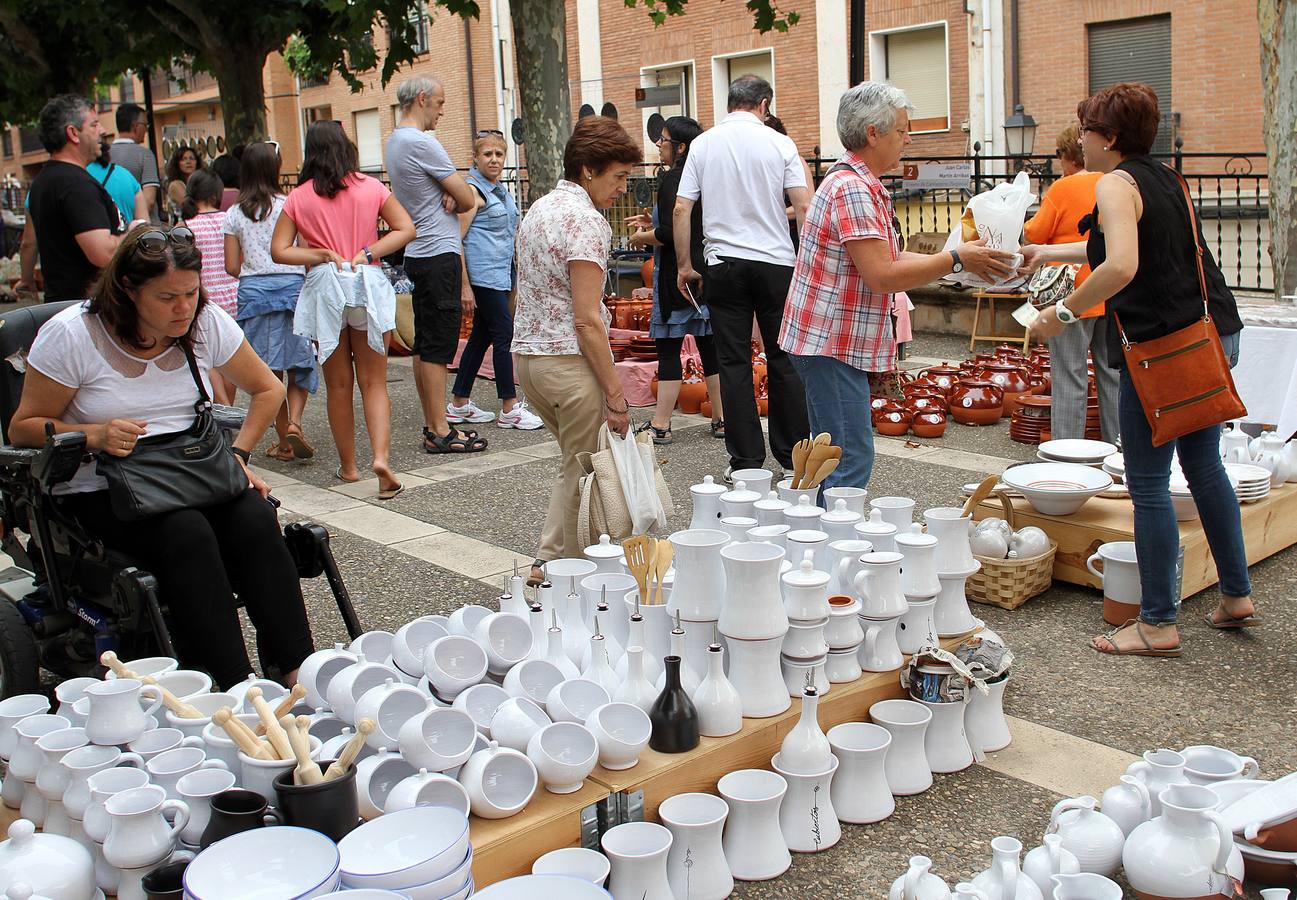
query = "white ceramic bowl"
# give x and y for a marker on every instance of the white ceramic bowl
(499, 781)
(318, 669)
(437, 739)
(515, 721)
(207, 704)
(543, 887)
(480, 702)
(1057, 489)
(367, 894)
(390, 705)
(288, 862)
(533, 679)
(463, 621)
(373, 646)
(622, 731)
(454, 663)
(451, 885)
(563, 753)
(410, 846)
(411, 640)
(376, 777)
(574, 700)
(575, 862)
(352, 683)
(427, 789)
(146, 665)
(185, 683)
(507, 639)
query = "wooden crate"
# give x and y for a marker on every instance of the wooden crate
(1269, 526)
(504, 848)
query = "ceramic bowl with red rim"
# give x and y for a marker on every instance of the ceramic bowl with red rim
(1057, 489)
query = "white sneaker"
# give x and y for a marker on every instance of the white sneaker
(469, 412)
(520, 417)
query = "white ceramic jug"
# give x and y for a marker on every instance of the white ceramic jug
(638, 853)
(1158, 769)
(138, 831)
(753, 842)
(1086, 886)
(906, 763)
(844, 563)
(951, 528)
(1094, 839)
(196, 790)
(918, 883)
(860, 793)
(1208, 765)
(52, 780)
(951, 614)
(719, 706)
(839, 522)
(699, 584)
(798, 542)
(1048, 860)
(1234, 446)
(707, 503)
(1272, 458)
(1290, 458)
(879, 651)
(84, 762)
(696, 866)
(754, 607)
(1187, 851)
(756, 674)
(966, 891)
(806, 815)
(917, 626)
(919, 568)
(987, 727)
(1004, 880)
(878, 585)
(946, 741)
(1128, 804)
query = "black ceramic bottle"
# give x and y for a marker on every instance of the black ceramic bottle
(675, 721)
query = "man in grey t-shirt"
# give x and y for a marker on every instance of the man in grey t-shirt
(129, 152)
(424, 180)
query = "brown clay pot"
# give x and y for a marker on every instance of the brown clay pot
(1011, 379)
(705, 408)
(691, 396)
(646, 273)
(928, 425)
(943, 376)
(892, 424)
(920, 402)
(976, 402)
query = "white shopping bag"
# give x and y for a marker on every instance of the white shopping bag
(635, 470)
(998, 215)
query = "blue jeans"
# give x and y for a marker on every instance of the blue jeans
(492, 327)
(837, 401)
(1157, 536)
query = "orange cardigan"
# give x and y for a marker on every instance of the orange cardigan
(1064, 204)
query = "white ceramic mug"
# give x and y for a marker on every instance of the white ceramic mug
(196, 789)
(160, 740)
(116, 716)
(167, 768)
(1119, 574)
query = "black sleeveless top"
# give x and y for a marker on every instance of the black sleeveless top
(1163, 296)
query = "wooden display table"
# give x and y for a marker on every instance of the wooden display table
(990, 297)
(1269, 525)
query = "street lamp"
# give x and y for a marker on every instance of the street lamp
(1020, 132)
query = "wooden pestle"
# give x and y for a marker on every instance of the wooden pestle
(263, 749)
(172, 702)
(244, 740)
(350, 752)
(290, 700)
(109, 659)
(306, 772)
(274, 731)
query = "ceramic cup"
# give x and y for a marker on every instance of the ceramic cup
(426, 788)
(167, 768)
(623, 731)
(116, 715)
(207, 704)
(185, 683)
(220, 746)
(854, 497)
(166, 882)
(196, 789)
(329, 807)
(898, 511)
(160, 740)
(234, 811)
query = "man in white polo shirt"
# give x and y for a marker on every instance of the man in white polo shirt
(741, 171)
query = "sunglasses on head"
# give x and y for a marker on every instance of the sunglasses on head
(486, 132)
(156, 241)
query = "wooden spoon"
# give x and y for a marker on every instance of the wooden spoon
(801, 450)
(819, 453)
(823, 439)
(983, 491)
(350, 752)
(291, 699)
(825, 470)
(665, 554)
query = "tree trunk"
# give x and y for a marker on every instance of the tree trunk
(243, 95)
(1278, 21)
(539, 27)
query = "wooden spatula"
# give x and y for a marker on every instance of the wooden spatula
(983, 491)
(823, 439)
(637, 560)
(825, 470)
(819, 453)
(662, 562)
(801, 450)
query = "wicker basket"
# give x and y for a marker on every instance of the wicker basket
(1009, 583)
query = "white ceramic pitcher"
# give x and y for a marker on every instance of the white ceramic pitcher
(116, 716)
(878, 585)
(138, 831)
(1187, 851)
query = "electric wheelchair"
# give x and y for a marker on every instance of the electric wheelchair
(69, 598)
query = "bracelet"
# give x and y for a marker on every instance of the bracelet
(242, 454)
(610, 409)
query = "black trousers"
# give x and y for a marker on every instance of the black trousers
(199, 556)
(736, 290)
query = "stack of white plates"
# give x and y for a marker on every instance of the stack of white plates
(1115, 465)
(422, 852)
(1251, 483)
(1081, 452)
(1186, 508)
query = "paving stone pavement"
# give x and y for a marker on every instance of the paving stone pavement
(462, 522)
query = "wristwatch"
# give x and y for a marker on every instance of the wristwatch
(369, 256)
(241, 454)
(1065, 315)
(955, 265)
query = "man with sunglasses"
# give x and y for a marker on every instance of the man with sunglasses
(77, 224)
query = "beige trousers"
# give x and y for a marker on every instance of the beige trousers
(564, 392)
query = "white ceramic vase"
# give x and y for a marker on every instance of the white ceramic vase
(599, 671)
(699, 583)
(952, 616)
(951, 528)
(1004, 880)
(879, 651)
(1094, 839)
(878, 585)
(707, 503)
(859, 791)
(906, 764)
(918, 883)
(1128, 804)
(946, 740)
(1048, 860)
(806, 816)
(636, 689)
(688, 680)
(637, 635)
(753, 842)
(988, 729)
(919, 568)
(1187, 851)
(719, 706)
(917, 627)
(696, 866)
(756, 675)
(753, 609)
(638, 853)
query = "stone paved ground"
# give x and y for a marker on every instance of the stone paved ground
(462, 522)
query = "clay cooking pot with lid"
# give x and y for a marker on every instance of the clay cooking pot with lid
(976, 402)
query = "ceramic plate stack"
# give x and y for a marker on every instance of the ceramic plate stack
(422, 852)
(1115, 465)
(1080, 452)
(1030, 420)
(642, 348)
(1251, 483)
(1186, 508)
(619, 346)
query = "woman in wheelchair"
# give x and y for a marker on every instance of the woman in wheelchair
(114, 368)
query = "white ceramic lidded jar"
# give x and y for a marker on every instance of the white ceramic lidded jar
(806, 596)
(878, 531)
(1187, 851)
(739, 501)
(56, 866)
(707, 503)
(804, 514)
(839, 522)
(605, 555)
(770, 510)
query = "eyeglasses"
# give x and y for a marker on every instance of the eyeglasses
(156, 241)
(489, 131)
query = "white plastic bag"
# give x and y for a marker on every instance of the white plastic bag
(635, 470)
(998, 215)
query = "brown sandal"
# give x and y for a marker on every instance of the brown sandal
(1147, 650)
(280, 452)
(297, 441)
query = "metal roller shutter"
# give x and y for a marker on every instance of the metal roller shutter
(1136, 50)
(916, 63)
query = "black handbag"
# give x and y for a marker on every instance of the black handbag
(189, 469)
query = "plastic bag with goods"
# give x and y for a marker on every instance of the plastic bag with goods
(995, 216)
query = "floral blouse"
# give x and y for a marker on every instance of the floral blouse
(560, 227)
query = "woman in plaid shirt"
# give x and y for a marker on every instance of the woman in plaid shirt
(837, 324)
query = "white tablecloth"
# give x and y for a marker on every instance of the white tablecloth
(1266, 376)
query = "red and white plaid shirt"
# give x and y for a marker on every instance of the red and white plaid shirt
(830, 310)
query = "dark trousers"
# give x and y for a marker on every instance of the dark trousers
(195, 554)
(736, 290)
(492, 327)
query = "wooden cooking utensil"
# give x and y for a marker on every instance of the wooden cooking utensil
(264, 750)
(244, 740)
(801, 450)
(349, 752)
(291, 699)
(306, 772)
(819, 453)
(983, 491)
(172, 702)
(637, 560)
(825, 470)
(109, 659)
(274, 731)
(665, 554)
(823, 439)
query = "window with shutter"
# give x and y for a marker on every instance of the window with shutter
(1136, 50)
(369, 139)
(917, 63)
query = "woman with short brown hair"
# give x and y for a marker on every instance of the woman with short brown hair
(560, 330)
(1144, 252)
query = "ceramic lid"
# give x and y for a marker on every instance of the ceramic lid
(772, 501)
(805, 575)
(740, 494)
(841, 515)
(916, 539)
(875, 525)
(605, 549)
(51, 865)
(708, 486)
(805, 508)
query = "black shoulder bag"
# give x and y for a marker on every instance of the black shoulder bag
(190, 469)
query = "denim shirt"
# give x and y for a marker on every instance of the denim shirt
(488, 244)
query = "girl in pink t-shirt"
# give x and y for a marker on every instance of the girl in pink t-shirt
(331, 218)
(202, 215)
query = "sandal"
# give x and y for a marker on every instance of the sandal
(390, 493)
(453, 442)
(718, 430)
(280, 452)
(297, 441)
(660, 435)
(1147, 650)
(338, 475)
(533, 579)
(1231, 624)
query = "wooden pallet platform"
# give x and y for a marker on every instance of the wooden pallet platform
(1269, 525)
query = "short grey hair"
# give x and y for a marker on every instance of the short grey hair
(410, 89)
(868, 103)
(747, 92)
(58, 113)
